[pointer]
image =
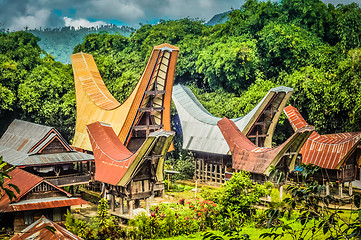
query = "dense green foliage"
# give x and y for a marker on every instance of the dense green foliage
(32, 87)
(102, 226)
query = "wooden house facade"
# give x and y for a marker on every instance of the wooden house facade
(37, 197)
(202, 136)
(338, 155)
(42, 150)
(131, 177)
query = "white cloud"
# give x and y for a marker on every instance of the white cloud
(32, 19)
(81, 22)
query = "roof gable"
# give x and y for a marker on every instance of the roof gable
(328, 151)
(40, 230)
(115, 164)
(26, 182)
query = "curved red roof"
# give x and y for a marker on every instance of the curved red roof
(113, 160)
(327, 151)
(247, 156)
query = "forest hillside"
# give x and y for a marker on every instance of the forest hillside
(307, 45)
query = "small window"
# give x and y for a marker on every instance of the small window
(28, 217)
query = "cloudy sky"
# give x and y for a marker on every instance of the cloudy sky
(17, 14)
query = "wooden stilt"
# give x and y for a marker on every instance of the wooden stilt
(327, 188)
(147, 205)
(131, 208)
(112, 202)
(340, 189)
(121, 205)
(350, 189)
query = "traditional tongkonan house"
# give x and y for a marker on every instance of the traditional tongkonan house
(146, 110)
(37, 197)
(258, 160)
(129, 176)
(42, 150)
(202, 136)
(338, 155)
(44, 228)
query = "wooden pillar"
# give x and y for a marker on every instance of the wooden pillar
(281, 192)
(340, 189)
(205, 172)
(121, 205)
(147, 204)
(112, 202)
(327, 188)
(350, 188)
(130, 207)
(202, 171)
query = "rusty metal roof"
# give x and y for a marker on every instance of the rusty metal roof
(26, 181)
(40, 230)
(247, 156)
(114, 163)
(44, 203)
(23, 142)
(199, 127)
(327, 151)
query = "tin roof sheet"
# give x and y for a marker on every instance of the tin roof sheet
(247, 156)
(21, 136)
(26, 181)
(23, 142)
(40, 230)
(114, 163)
(327, 151)
(199, 127)
(44, 203)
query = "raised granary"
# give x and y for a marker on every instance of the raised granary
(202, 136)
(258, 160)
(339, 154)
(42, 150)
(129, 176)
(37, 197)
(146, 110)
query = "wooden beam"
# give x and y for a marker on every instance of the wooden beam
(255, 136)
(145, 127)
(151, 109)
(155, 92)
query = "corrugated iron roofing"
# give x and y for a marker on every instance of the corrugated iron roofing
(45, 203)
(22, 136)
(199, 127)
(26, 181)
(114, 163)
(247, 156)
(94, 102)
(40, 230)
(22, 143)
(327, 151)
